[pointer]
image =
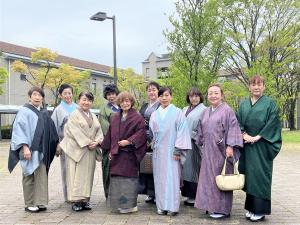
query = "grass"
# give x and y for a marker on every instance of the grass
(291, 136)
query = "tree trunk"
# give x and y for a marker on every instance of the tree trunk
(291, 114)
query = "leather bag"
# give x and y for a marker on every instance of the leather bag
(230, 182)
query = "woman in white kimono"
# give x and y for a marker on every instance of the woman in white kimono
(60, 116)
(82, 136)
(171, 139)
(191, 167)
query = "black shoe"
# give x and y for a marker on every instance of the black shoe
(172, 213)
(87, 206)
(32, 209)
(42, 208)
(77, 207)
(188, 203)
(150, 199)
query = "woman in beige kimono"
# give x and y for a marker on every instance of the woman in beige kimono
(82, 136)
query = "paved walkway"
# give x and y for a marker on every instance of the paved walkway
(285, 200)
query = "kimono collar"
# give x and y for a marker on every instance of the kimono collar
(88, 119)
(68, 107)
(163, 111)
(113, 107)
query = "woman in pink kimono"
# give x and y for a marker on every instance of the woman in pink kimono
(220, 136)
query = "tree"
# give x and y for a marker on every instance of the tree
(134, 83)
(45, 74)
(65, 74)
(196, 46)
(3, 77)
(262, 37)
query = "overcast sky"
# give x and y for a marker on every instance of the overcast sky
(64, 27)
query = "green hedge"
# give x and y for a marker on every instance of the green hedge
(6, 132)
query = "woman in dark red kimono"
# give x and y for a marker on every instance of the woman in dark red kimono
(126, 141)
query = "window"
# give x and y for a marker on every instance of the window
(93, 88)
(23, 77)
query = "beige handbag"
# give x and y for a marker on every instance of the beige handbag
(230, 182)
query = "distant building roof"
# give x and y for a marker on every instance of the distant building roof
(161, 57)
(26, 52)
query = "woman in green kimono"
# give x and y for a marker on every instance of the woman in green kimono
(260, 124)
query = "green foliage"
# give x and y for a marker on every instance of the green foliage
(196, 46)
(3, 77)
(134, 83)
(46, 75)
(234, 92)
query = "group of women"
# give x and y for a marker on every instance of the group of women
(187, 147)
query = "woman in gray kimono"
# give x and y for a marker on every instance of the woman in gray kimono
(192, 164)
(60, 116)
(146, 181)
(82, 136)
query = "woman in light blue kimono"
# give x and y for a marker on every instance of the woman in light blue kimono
(60, 116)
(191, 167)
(171, 139)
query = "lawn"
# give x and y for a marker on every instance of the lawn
(291, 136)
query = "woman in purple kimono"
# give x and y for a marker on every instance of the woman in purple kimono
(126, 142)
(219, 135)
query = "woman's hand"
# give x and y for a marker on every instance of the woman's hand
(124, 143)
(176, 157)
(27, 152)
(93, 145)
(250, 139)
(58, 150)
(229, 151)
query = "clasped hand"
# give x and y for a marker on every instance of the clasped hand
(250, 139)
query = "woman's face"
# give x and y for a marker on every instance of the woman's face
(84, 103)
(194, 100)
(257, 89)
(111, 97)
(214, 96)
(36, 99)
(125, 105)
(67, 95)
(152, 93)
(165, 99)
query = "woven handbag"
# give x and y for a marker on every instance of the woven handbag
(230, 182)
(146, 165)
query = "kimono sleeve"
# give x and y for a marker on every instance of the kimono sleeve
(138, 139)
(234, 135)
(106, 143)
(22, 132)
(183, 138)
(271, 132)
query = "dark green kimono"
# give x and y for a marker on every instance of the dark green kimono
(256, 160)
(104, 119)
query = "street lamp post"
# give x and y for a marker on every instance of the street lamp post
(101, 16)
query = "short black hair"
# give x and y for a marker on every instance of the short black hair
(162, 90)
(110, 88)
(194, 91)
(153, 83)
(37, 89)
(63, 87)
(87, 94)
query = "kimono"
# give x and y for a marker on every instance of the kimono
(256, 162)
(60, 116)
(34, 128)
(191, 167)
(218, 129)
(170, 136)
(106, 112)
(124, 164)
(79, 132)
(146, 181)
